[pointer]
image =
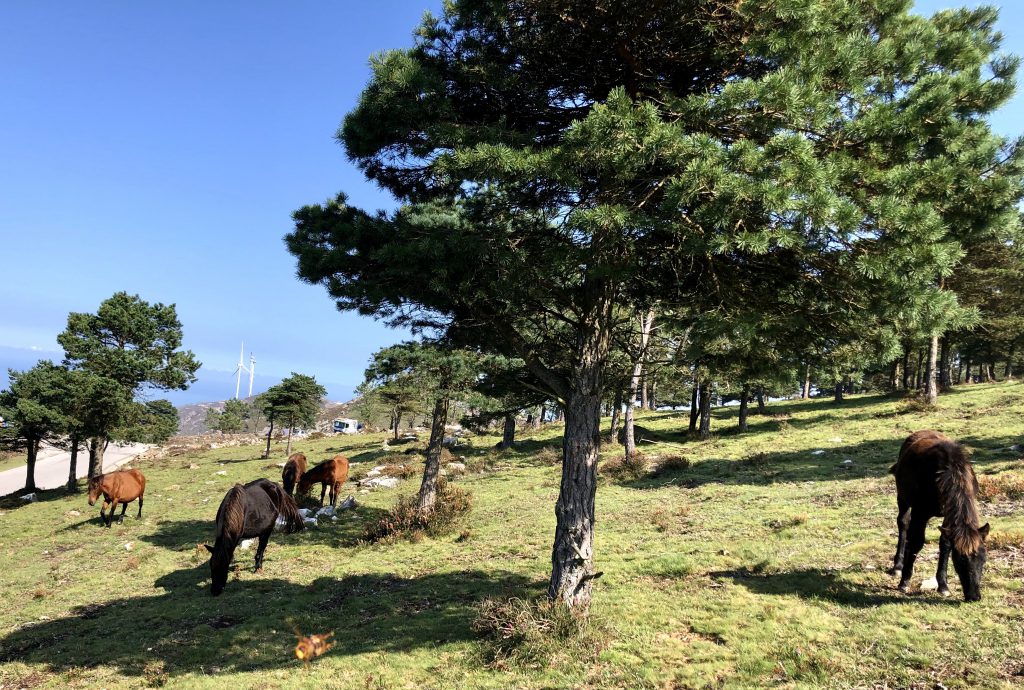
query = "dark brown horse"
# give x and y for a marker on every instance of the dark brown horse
(293, 469)
(246, 512)
(330, 473)
(934, 478)
(123, 487)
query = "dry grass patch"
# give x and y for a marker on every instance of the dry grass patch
(548, 455)
(406, 521)
(671, 464)
(625, 468)
(536, 633)
(1001, 487)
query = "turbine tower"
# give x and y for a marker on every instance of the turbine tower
(241, 367)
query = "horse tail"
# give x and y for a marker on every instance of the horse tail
(231, 514)
(958, 485)
(286, 507)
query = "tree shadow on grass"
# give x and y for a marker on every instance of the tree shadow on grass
(835, 463)
(824, 585)
(250, 626)
(13, 500)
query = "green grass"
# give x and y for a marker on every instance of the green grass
(762, 564)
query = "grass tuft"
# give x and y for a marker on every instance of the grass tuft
(536, 633)
(625, 468)
(406, 521)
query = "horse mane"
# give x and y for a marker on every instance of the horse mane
(958, 486)
(286, 507)
(231, 515)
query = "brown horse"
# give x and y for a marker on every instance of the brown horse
(121, 487)
(293, 469)
(934, 478)
(330, 473)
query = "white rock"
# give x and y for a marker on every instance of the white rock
(817, 452)
(73, 513)
(929, 585)
(847, 462)
(31, 498)
(835, 439)
(326, 511)
(281, 464)
(193, 466)
(129, 546)
(375, 471)
(380, 483)
(364, 491)
(246, 544)
(310, 521)
(222, 472)
(457, 466)
(348, 504)
(304, 512)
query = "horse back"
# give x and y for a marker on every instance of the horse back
(124, 485)
(339, 472)
(923, 456)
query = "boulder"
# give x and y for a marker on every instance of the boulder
(379, 483)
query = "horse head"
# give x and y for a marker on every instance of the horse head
(969, 555)
(94, 490)
(220, 559)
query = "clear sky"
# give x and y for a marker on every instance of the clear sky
(160, 148)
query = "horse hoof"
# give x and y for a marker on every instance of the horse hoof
(944, 592)
(894, 571)
(258, 570)
(904, 587)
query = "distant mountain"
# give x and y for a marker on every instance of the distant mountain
(192, 418)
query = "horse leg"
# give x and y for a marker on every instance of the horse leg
(264, 538)
(323, 491)
(124, 509)
(110, 515)
(902, 520)
(334, 495)
(945, 547)
(140, 507)
(915, 540)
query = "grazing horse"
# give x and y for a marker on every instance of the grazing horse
(121, 487)
(246, 512)
(330, 473)
(293, 469)
(934, 478)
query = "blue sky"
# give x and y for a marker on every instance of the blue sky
(160, 148)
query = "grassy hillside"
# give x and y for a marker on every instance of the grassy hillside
(761, 564)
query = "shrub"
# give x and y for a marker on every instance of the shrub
(625, 468)
(316, 436)
(548, 455)
(1000, 488)
(405, 521)
(535, 632)
(671, 464)
(1006, 540)
(400, 471)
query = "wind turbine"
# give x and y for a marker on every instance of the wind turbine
(241, 367)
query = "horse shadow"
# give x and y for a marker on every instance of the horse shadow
(250, 626)
(824, 585)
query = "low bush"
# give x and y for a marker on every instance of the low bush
(536, 633)
(406, 521)
(548, 455)
(625, 468)
(671, 464)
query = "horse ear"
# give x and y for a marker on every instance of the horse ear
(208, 548)
(983, 531)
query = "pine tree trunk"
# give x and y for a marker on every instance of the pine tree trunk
(945, 365)
(760, 399)
(906, 368)
(705, 411)
(744, 396)
(428, 487)
(616, 416)
(537, 418)
(959, 370)
(839, 392)
(894, 380)
(288, 446)
(30, 464)
(543, 413)
(270, 433)
(72, 485)
(97, 446)
(572, 566)
(643, 391)
(635, 380)
(508, 434)
(931, 382)
(652, 405)
(694, 402)
(806, 392)
(1008, 370)
(918, 370)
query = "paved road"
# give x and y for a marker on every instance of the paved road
(52, 466)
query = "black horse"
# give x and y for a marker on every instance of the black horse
(246, 512)
(934, 478)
